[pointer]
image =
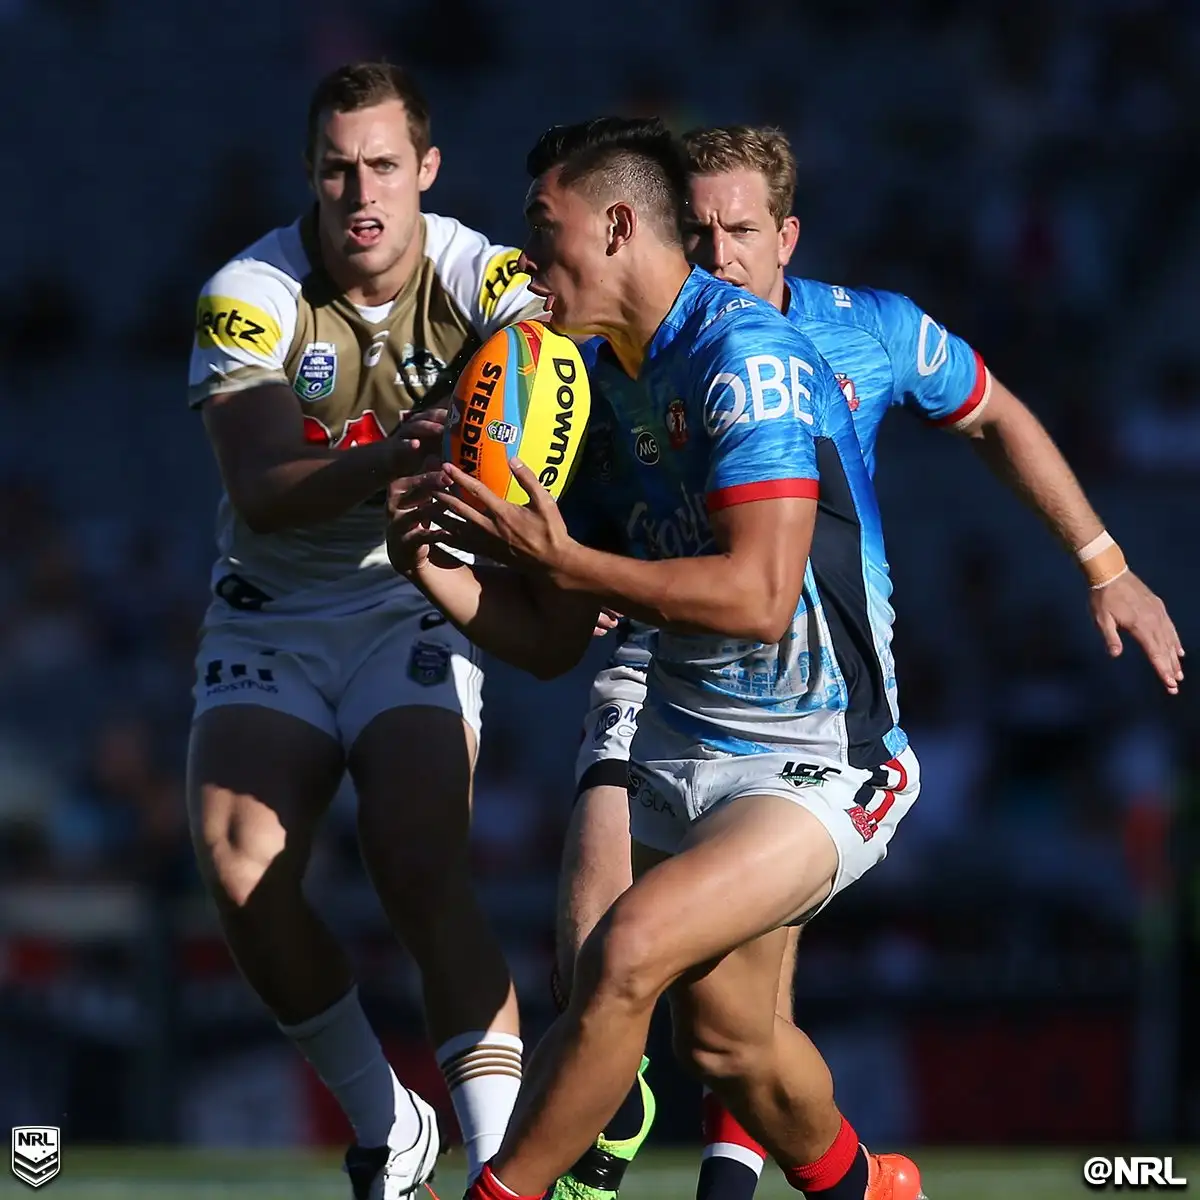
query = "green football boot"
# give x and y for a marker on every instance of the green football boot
(598, 1174)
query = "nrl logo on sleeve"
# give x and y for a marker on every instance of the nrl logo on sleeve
(316, 376)
(35, 1153)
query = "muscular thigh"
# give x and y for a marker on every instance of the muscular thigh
(258, 782)
(412, 769)
(739, 874)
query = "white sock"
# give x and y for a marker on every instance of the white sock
(344, 1051)
(483, 1073)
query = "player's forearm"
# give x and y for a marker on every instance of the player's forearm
(709, 594)
(314, 487)
(1019, 451)
(500, 612)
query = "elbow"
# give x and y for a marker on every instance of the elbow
(773, 627)
(768, 612)
(256, 510)
(768, 627)
(546, 666)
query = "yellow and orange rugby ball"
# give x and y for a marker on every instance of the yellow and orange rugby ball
(524, 394)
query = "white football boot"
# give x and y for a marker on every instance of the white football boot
(381, 1173)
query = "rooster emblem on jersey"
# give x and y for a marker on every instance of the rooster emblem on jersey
(847, 386)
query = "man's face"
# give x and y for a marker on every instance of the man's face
(732, 234)
(566, 254)
(369, 181)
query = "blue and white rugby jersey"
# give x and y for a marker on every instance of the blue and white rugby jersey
(885, 353)
(734, 404)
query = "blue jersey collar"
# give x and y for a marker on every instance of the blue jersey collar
(677, 314)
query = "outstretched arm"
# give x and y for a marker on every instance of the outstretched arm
(1017, 448)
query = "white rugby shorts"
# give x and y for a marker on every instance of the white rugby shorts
(674, 783)
(618, 693)
(339, 672)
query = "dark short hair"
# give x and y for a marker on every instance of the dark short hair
(764, 149)
(363, 85)
(639, 158)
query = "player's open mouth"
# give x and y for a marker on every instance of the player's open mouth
(366, 232)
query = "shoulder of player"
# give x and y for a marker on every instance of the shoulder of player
(475, 271)
(738, 324)
(270, 269)
(457, 251)
(814, 302)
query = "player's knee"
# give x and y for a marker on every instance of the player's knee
(623, 959)
(718, 1057)
(236, 850)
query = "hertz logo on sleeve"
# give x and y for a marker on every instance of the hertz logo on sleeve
(234, 325)
(500, 276)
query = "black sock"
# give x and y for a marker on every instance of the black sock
(724, 1178)
(852, 1185)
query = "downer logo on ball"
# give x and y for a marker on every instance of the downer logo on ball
(35, 1156)
(564, 417)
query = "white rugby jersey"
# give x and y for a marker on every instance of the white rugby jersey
(272, 316)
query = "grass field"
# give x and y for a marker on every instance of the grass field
(171, 1175)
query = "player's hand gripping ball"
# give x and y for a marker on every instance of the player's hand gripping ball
(524, 394)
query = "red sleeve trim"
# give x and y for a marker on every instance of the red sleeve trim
(771, 489)
(978, 396)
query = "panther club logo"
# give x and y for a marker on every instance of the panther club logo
(35, 1153)
(420, 369)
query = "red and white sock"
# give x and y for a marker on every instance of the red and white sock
(839, 1174)
(725, 1138)
(488, 1187)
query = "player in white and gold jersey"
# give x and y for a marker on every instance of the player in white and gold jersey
(322, 356)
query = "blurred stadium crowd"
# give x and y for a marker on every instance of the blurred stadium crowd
(1019, 167)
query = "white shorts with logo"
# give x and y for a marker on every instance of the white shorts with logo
(339, 672)
(616, 700)
(674, 783)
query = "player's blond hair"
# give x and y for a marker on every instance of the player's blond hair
(761, 148)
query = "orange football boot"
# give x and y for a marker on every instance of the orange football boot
(892, 1177)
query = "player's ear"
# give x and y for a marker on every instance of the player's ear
(789, 235)
(428, 170)
(622, 224)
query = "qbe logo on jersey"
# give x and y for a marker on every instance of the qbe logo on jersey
(35, 1156)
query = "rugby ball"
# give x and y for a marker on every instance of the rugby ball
(525, 394)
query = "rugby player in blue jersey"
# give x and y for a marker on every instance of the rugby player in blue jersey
(886, 354)
(768, 771)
